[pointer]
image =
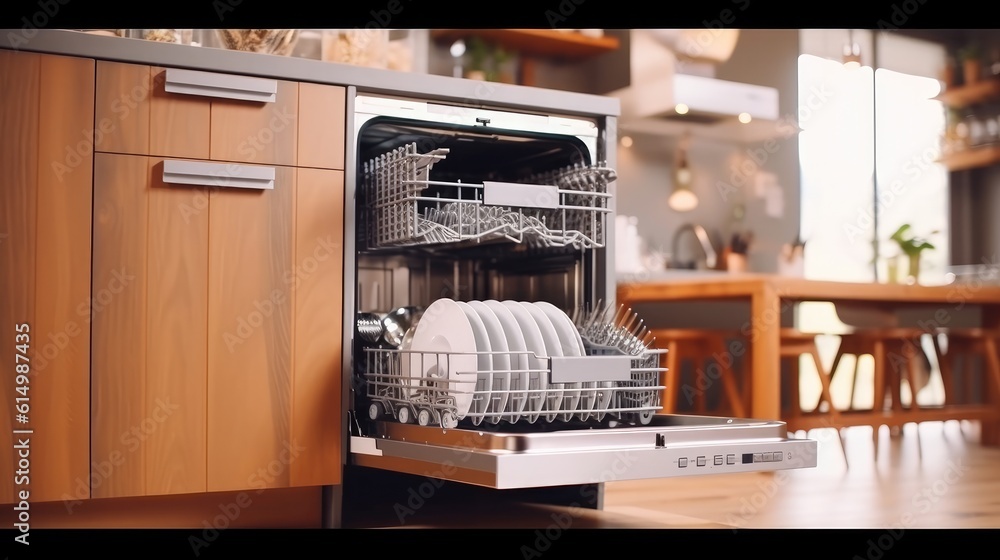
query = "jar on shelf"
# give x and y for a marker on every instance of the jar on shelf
(977, 129)
(360, 47)
(180, 36)
(280, 42)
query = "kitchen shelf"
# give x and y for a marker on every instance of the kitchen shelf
(536, 42)
(971, 158)
(963, 96)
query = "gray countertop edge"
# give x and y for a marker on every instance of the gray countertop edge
(366, 80)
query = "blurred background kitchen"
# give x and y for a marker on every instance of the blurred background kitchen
(836, 159)
(755, 150)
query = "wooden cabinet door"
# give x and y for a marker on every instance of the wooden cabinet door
(318, 282)
(322, 125)
(274, 332)
(46, 111)
(250, 329)
(149, 368)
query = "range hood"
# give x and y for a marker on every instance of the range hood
(661, 81)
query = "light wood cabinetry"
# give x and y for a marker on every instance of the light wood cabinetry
(217, 368)
(46, 113)
(233, 327)
(185, 336)
(303, 125)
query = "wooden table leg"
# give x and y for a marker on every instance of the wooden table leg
(672, 378)
(991, 322)
(765, 340)
(991, 430)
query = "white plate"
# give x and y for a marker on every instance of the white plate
(445, 336)
(535, 343)
(571, 344)
(519, 382)
(481, 399)
(500, 373)
(553, 347)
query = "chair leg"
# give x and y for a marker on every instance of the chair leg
(727, 376)
(944, 365)
(700, 400)
(854, 380)
(824, 380)
(878, 353)
(671, 379)
(912, 354)
(833, 372)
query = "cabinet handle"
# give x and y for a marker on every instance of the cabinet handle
(226, 86)
(218, 174)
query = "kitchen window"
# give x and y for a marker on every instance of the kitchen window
(868, 148)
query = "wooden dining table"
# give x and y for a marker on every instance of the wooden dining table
(769, 294)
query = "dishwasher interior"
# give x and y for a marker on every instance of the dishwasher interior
(483, 211)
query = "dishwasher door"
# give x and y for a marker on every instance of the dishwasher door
(541, 456)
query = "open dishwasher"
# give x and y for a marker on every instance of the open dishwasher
(506, 363)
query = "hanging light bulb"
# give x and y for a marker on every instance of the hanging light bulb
(682, 199)
(852, 52)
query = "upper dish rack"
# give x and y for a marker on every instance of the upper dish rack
(563, 208)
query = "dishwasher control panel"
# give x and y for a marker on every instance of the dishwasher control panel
(740, 458)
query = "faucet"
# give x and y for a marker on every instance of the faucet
(706, 245)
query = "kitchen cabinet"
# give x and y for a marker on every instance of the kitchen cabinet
(221, 117)
(184, 335)
(217, 366)
(46, 113)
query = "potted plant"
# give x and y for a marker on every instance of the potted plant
(478, 55)
(972, 63)
(911, 246)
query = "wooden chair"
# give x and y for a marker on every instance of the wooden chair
(897, 355)
(896, 352)
(966, 344)
(707, 349)
(794, 345)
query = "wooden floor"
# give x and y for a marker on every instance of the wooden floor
(942, 479)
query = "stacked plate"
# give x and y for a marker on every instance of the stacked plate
(492, 358)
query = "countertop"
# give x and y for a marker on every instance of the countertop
(366, 80)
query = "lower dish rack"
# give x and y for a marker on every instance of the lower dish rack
(604, 385)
